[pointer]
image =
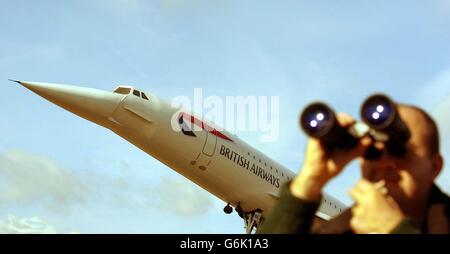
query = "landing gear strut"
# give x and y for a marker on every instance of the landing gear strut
(239, 210)
(252, 220)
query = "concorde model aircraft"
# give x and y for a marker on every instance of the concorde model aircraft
(216, 160)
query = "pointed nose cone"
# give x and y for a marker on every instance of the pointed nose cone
(91, 104)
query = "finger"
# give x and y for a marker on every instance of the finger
(358, 186)
(315, 149)
(379, 145)
(345, 119)
(365, 186)
(384, 191)
(368, 188)
(380, 184)
(366, 142)
(363, 145)
(356, 194)
(313, 142)
(356, 210)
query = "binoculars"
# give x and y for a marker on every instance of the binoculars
(378, 112)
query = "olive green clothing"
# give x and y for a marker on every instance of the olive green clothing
(292, 215)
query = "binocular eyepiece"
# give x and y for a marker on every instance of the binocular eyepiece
(378, 112)
(319, 121)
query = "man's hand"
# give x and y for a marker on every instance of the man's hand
(320, 166)
(374, 211)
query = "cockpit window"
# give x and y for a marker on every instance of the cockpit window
(128, 90)
(122, 90)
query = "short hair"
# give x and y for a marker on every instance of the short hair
(432, 136)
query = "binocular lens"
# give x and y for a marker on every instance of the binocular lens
(317, 119)
(378, 111)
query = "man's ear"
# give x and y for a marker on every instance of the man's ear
(438, 163)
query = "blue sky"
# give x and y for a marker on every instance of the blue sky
(60, 173)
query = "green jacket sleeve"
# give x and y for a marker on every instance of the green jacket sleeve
(290, 215)
(406, 227)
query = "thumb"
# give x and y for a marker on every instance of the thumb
(364, 143)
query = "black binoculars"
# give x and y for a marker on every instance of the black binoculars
(378, 112)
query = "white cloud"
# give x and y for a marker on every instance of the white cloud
(181, 198)
(33, 225)
(28, 178)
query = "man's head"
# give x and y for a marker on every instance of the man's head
(409, 178)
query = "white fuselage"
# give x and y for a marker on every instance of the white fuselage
(228, 168)
(216, 160)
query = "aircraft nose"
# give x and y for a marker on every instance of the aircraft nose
(92, 104)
